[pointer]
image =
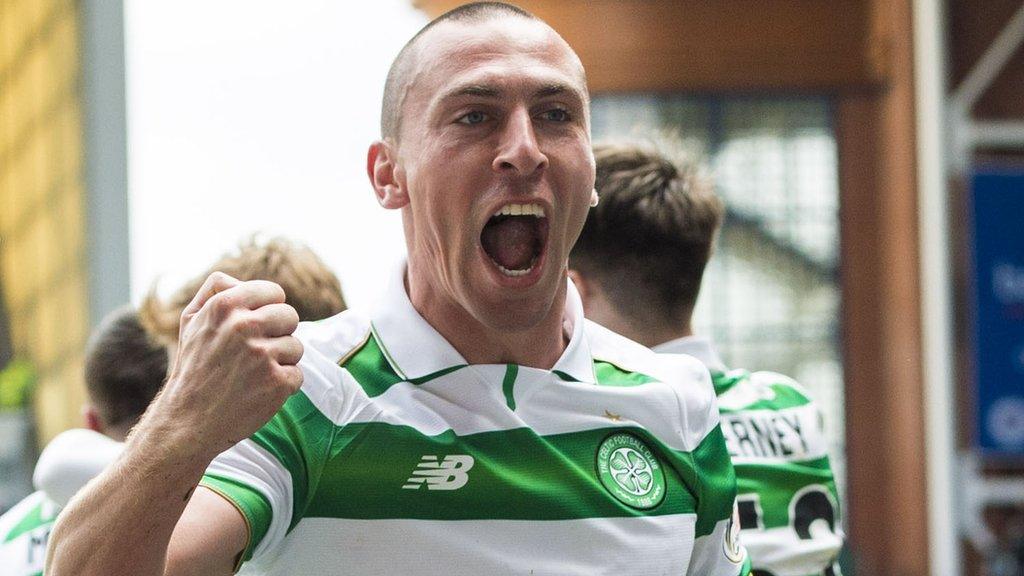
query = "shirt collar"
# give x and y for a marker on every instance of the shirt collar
(699, 347)
(415, 349)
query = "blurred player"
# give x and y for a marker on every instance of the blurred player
(638, 266)
(124, 369)
(76, 456)
(309, 285)
(475, 424)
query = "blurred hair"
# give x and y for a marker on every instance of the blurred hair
(309, 285)
(124, 368)
(395, 85)
(649, 239)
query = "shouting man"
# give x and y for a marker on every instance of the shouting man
(475, 424)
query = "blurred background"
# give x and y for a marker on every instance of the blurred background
(869, 151)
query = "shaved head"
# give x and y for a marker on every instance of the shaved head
(399, 76)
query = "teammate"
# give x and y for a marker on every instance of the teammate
(76, 456)
(475, 423)
(638, 266)
(124, 368)
(310, 287)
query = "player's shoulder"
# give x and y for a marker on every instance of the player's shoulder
(334, 336)
(631, 356)
(759, 390)
(326, 343)
(31, 512)
(685, 377)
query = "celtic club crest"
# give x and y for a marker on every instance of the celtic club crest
(628, 469)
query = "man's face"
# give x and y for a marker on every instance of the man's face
(494, 155)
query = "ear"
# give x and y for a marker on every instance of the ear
(92, 418)
(382, 169)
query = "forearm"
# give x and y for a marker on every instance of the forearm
(122, 522)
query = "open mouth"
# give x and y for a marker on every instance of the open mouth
(514, 238)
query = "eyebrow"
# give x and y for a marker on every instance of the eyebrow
(487, 91)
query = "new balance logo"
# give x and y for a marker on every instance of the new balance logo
(448, 474)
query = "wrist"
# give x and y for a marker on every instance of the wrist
(172, 438)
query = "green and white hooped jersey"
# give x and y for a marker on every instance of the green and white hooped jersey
(24, 532)
(399, 458)
(787, 499)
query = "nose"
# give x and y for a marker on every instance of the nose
(518, 151)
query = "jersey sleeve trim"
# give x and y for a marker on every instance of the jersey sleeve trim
(254, 508)
(246, 469)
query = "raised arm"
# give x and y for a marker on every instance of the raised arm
(236, 366)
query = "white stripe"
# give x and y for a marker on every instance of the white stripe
(641, 546)
(250, 464)
(781, 552)
(471, 400)
(811, 434)
(709, 554)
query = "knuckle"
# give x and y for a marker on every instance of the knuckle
(223, 304)
(243, 324)
(293, 315)
(277, 291)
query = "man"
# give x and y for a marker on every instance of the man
(124, 369)
(638, 266)
(475, 424)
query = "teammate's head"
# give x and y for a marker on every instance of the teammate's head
(641, 255)
(485, 111)
(124, 369)
(309, 285)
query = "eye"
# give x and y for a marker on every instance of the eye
(474, 117)
(556, 115)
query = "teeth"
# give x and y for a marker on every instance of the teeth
(508, 272)
(535, 210)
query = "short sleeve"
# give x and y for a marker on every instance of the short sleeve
(267, 477)
(712, 479)
(716, 548)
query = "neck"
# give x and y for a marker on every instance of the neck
(538, 346)
(649, 336)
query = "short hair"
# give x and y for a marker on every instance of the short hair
(650, 237)
(124, 368)
(309, 285)
(394, 86)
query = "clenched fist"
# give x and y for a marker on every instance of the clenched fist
(235, 365)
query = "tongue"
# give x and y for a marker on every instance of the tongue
(510, 242)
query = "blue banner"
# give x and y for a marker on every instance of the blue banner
(998, 223)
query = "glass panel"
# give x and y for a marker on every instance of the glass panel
(770, 297)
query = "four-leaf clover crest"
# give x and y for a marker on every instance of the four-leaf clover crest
(631, 471)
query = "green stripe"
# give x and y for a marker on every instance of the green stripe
(507, 385)
(516, 475)
(711, 477)
(32, 520)
(776, 484)
(299, 437)
(609, 374)
(253, 506)
(373, 371)
(785, 395)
